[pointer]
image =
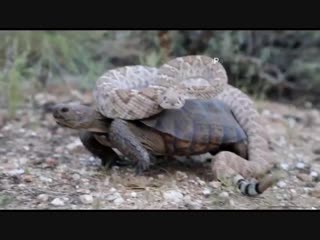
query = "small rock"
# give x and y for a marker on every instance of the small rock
(45, 179)
(26, 148)
(281, 184)
(215, 184)
(72, 146)
(43, 197)
(51, 162)
(133, 194)
(23, 160)
(76, 177)
(316, 159)
(192, 181)
(57, 202)
(314, 174)
(307, 189)
(112, 190)
(83, 190)
(284, 166)
(193, 205)
(118, 201)
(308, 104)
(181, 176)
(316, 151)
(15, 172)
(304, 177)
(86, 199)
(315, 193)
(160, 176)
(224, 195)
(294, 192)
(27, 178)
(173, 196)
(206, 192)
(291, 122)
(266, 112)
(201, 182)
(113, 197)
(300, 165)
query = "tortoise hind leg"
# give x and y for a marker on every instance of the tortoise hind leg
(105, 153)
(228, 166)
(129, 145)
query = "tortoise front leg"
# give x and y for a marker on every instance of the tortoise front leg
(105, 153)
(128, 144)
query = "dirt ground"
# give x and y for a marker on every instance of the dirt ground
(43, 166)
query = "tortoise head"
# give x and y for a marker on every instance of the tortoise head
(79, 116)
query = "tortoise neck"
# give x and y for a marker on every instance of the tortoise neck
(99, 123)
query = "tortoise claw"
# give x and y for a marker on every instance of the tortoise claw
(141, 167)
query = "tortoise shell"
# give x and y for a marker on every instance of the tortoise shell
(201, 122)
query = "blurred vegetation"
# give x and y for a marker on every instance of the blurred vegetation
(281, 65)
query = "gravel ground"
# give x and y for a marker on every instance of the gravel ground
(43, 166)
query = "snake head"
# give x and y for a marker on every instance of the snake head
(172, 99)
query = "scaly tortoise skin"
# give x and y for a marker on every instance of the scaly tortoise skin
(137, 92)
(198, 127)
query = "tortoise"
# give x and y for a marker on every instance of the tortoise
(200, 126)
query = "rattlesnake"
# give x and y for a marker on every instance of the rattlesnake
(137, 92)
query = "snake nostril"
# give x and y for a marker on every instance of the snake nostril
(64, 109)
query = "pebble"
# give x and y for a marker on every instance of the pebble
(284, 166)
(281, 184)
(23, 160)
(72, 146)
(86, 199)
(173, 196)
(304, 177)
(45, 179)
(133, 194)
(307, 189)
(51, 162)
(314, 174)
(113, 197)
(26, 148)
(206, 192)
(300, 165)
(316, 151)
(76, 177)
(160, 176)
(224, 195)
(15, 172)
(118, 201)
(193, 205)
(201, 182)
(293, 192)
(317, 159)
(83, 190)
(27, 178)
(43, 197)
(315, 192)
(215, 184)
(291, 122)
(181, 176)
(57, 202)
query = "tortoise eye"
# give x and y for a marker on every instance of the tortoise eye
(64, 109)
